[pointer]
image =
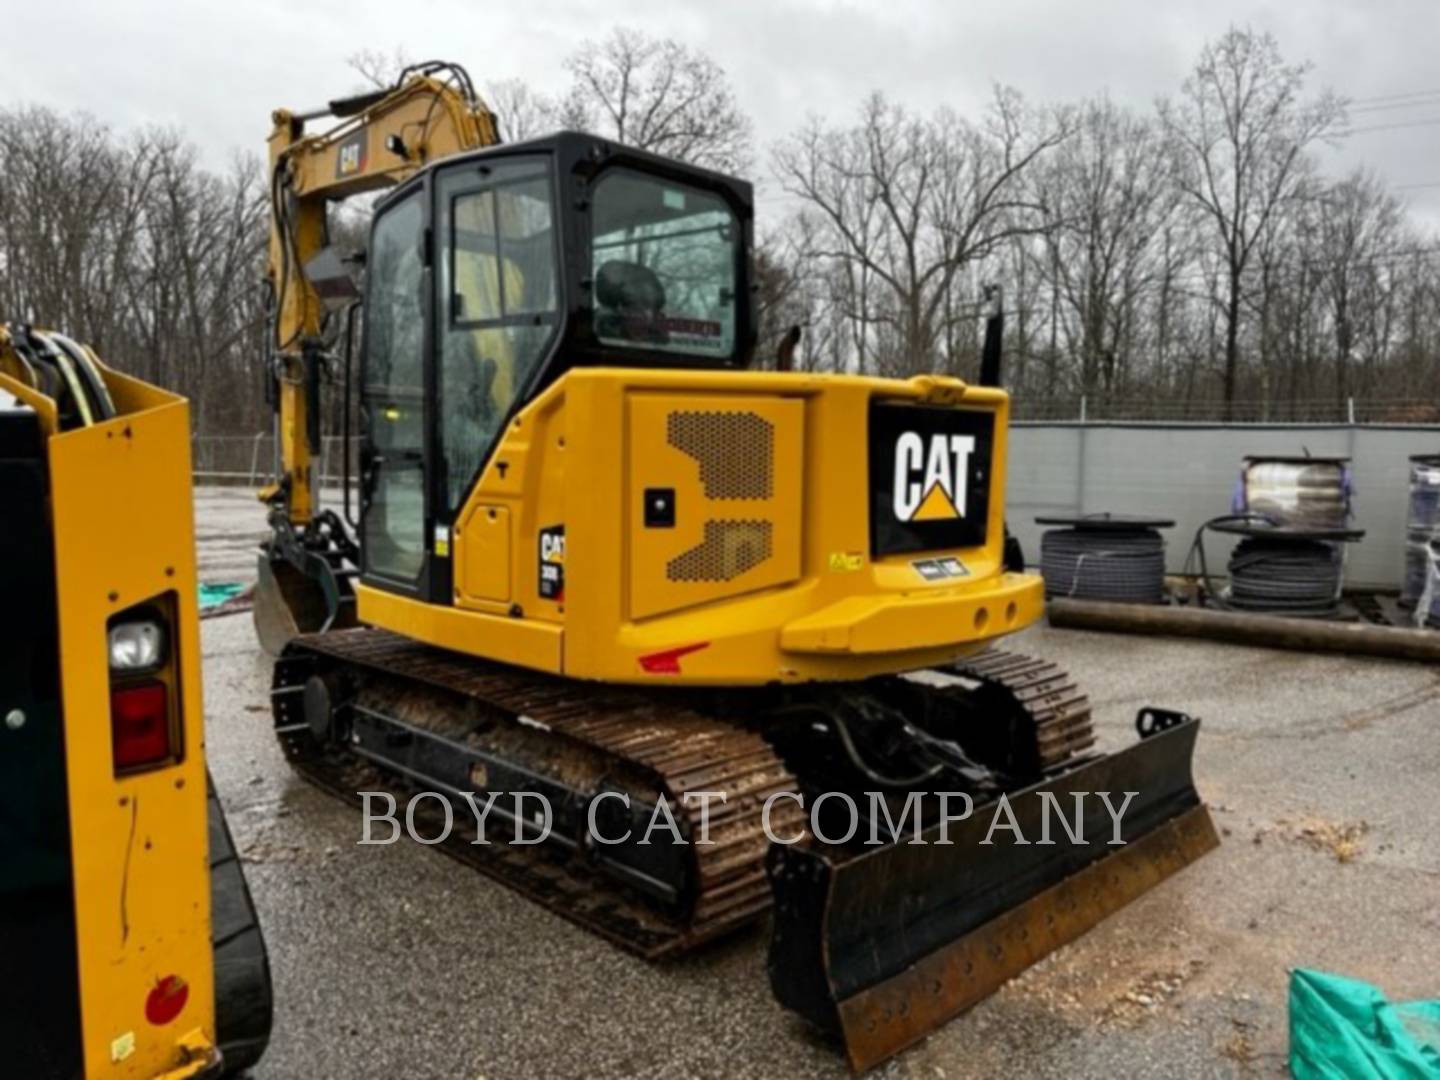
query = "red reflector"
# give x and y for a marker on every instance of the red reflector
(166, 1001)
(139, 725)
(668, 661)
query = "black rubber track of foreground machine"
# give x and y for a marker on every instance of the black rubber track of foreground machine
(243, 1004)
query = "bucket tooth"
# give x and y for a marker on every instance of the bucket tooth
(880, 948)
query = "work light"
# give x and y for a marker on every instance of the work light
(138, 645)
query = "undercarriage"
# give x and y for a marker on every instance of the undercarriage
(671, 818)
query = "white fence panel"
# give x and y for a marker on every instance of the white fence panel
(1188, 472)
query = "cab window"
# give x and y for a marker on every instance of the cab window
(664, 265)
(393, 394)
(498, 301)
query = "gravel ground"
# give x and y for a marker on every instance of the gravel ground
(1320, 770)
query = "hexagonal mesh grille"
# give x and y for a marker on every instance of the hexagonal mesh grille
(728, 550)
(736, 451)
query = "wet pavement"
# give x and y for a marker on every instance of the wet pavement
(1321, 772)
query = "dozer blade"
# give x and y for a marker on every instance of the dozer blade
(290, 601)
(882, 947)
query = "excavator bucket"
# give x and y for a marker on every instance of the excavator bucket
(880, 946)
(291, 600)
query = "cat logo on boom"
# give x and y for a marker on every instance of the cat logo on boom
(350, 156)
(931, 475)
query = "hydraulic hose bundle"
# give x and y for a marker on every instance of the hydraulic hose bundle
(1421, 589)
(1104, 557)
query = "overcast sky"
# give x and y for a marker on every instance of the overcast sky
(217, 67)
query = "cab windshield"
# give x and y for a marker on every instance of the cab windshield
(664, 266)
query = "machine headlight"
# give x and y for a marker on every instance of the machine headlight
(137, 646)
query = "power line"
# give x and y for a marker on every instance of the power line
(1395, 97)
(1427, 122)
(1415, 104)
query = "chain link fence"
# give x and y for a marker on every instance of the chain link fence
(250, 459)
(1086, 409)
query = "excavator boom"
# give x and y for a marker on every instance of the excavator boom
(381, 138)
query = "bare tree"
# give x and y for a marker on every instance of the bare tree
(1242, 129)
(1220, 274)
(657, 95)
(378, 68)
(1358, 224)
(1111, 195)
(522, 112)
(906, 203)
(129, 245)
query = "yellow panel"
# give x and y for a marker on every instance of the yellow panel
(581, 456)
(733, 468)
(881, 623)
(526, 477)
(44, 407)
(124, 533)
(482, 555)
(527, 642)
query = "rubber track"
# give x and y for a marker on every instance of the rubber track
(679, 749)
(1057, 707)
(243, 1000)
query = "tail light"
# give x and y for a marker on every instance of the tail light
(144, 689)
(140, 725)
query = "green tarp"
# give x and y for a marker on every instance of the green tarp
(1342, 1029)
(214, 595)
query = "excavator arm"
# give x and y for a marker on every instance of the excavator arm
(381, 139)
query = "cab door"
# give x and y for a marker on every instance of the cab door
(393, 401)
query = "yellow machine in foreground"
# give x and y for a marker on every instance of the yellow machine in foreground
(598, 559)
(129, 940)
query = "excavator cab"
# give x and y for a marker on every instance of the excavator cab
(490, 276)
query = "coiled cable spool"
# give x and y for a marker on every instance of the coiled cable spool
(1296, 492)
(1111, 557)
(1286, 577)
(1275, 569)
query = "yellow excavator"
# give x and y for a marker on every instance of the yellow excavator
(130, 942)
(597, 557)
